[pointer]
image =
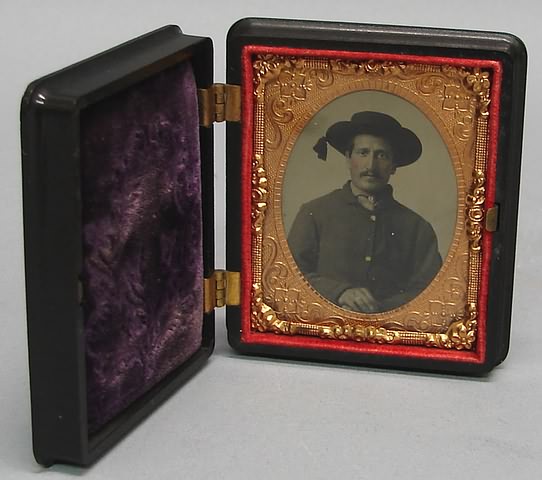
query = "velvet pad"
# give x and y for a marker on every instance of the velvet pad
(142, 238)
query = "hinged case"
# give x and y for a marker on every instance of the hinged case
(119, 207)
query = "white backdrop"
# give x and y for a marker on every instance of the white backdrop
(247, 418)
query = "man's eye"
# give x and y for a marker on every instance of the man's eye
(383, 155)
(362, 153)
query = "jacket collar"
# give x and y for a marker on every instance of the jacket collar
(384, 198)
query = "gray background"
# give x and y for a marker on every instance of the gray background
(428, 186)
(248, 418)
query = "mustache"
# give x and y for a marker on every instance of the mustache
(369, 173)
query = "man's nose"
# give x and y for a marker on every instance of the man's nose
(372, 162)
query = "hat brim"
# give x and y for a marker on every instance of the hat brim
(405, 144)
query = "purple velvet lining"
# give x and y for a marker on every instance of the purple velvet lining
(142, 235)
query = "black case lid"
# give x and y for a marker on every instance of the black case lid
(50, 124)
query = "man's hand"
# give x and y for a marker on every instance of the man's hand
(359, 300)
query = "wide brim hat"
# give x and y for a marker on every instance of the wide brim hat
(405, 144)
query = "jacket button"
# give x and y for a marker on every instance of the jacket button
(368, 258)
(373, 217)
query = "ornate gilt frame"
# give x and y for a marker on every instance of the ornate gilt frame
(288, 90)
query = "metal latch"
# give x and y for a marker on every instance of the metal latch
(218, 103)
(222, 288)
(492, 219)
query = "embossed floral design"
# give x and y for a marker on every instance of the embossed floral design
(463, 337)
(454, 99)
(475, 211)
(259, 194)
(294, 85)
(264, 64)
(370, 66)
(479, 82)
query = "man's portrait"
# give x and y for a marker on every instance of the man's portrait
(369, 236)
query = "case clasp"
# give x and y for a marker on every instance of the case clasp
(492, 219)
(222, 288)
(218, 103)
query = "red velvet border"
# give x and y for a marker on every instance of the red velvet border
(247, 336)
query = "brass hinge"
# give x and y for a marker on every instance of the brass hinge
(218, 103)
(222, 288)
(492, 219)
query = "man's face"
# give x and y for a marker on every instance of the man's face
(370, 163)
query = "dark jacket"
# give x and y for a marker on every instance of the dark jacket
(338, 244)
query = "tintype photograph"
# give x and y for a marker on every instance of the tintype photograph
(360, 227)
(369, 182)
